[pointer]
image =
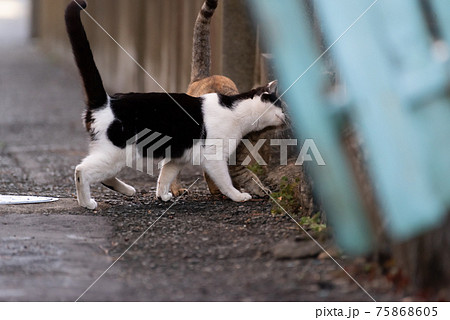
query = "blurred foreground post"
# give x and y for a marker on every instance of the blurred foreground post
(396, 78)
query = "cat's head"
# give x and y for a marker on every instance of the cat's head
(268, 110)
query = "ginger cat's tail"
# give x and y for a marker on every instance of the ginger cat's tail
(93, 85)
(201, 50)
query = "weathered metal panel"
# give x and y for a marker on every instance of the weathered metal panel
(380, 59)
(397, 81)
(292, 43)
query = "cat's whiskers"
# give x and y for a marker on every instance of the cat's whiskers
(265, 111)
(256, 123)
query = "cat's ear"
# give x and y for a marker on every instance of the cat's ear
(272, 87)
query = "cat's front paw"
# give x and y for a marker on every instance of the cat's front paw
(91, 205)
(241, 197)
(130, 191)
(165, 197)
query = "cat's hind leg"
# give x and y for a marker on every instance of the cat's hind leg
(83, 189)
(167, 175)
(96, 167)
(119, 186)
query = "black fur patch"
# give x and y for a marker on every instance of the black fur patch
(157, 112)
(207, 13)
(272, 98)
(212, 4)
(230, 101)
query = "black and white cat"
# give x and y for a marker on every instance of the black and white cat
(114, 120)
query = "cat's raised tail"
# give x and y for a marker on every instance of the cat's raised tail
(93, 85)
(201, 50)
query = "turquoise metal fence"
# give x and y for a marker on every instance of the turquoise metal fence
(397, 83)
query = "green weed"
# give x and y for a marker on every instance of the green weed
(256, 169)
(313, 223)
(288, 198)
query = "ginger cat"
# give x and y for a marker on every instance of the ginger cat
(202, 82)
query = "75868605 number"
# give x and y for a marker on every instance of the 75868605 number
(407, 311)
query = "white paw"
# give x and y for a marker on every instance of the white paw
(241, 197)
(166, 197)
(130, 191)
(91, 205)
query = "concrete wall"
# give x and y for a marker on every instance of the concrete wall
(158, 34)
